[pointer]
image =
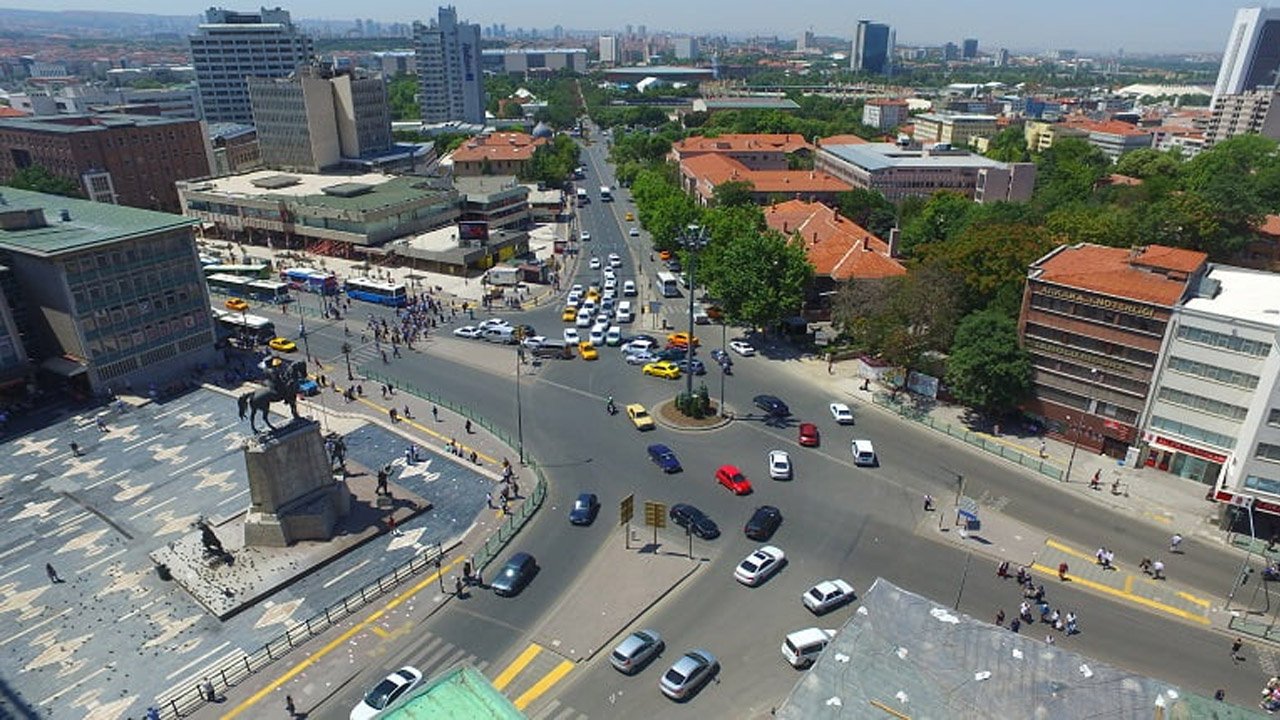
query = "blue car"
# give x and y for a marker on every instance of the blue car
(663, 457)
(696, 367)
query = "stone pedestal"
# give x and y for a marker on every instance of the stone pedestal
(292, 490)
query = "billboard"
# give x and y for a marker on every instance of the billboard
(473, 232)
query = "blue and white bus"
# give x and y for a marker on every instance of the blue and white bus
(244, 328)
(261, 271)
(667, 284)
(373, 291)
(268, 291)
(308, 280)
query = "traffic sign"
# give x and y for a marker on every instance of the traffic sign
(655, 514)
(627, 509)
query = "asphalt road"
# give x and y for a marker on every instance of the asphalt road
(840, 521)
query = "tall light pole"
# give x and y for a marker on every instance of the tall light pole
(519, 410)
(346, 353)
(724, 369)
(694, 240)
(1075, 445)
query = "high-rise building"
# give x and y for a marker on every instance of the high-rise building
(608, 50)
(230, 46)
(950, 51)
(686, 48)
(872, 47)
(1253, 112)
(1002, 58)
(970, 48)
(313, 120)
(450, 79)
(1252, 57)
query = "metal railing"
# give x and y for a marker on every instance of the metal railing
(434, 399)
(981, 441)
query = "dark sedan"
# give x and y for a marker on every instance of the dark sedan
(584, 509)
(772, 405)
(763, 523)
(513, 576)
(691, 518)
(665, 458)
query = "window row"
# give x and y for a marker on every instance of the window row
(1213, 372)
(1187, 430)
(1233, 343)
(1203, 404)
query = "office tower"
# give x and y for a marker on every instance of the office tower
(950, 52)
(970, 48)
(686, 48)
(313, 120)
(230, 46)
(642, 31)
(1252, 57)
(450, 81)
(872, 46)
(1002, 58)
(608, 49)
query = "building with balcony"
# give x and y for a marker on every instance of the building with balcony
(230, 46)
(1252, 112)
(450, 76)
(1093, 320)
(898, 172)
(108, 297)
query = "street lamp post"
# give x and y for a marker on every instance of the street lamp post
(519, 411)
(1075, 445)
(724, 330)
(346, 353)
(695, 239)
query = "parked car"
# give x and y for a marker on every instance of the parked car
(584, 509)
(694, 520)
(695, 366)
(809, 436)
(513, 576)
(664, 457)
(688, 673)
(586, 236)
(759, 566)
(636, 650)
(662, 369)
(493, 323)
(640, 417)
(841, 413)
(771, 405)
(468, 331)
(391, 689)
(732, 478)
(763, 523)
(827, 595)
(742, 347)
(779, 465)
(644, 357)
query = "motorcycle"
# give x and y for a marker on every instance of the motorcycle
(611, 409)
(1271, 572)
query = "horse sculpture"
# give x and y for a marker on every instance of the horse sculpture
(283, 379)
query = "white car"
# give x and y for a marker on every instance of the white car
(571, 336)
(629, 288)
(533, 342)
(614, 260)
(742, 347)
(633, 232)
(574, 300)
(468, 331)
(613, 336)
(641, 357)
(576, 289)
(596, 337)
(391, 689)
(636, 346)
(826, 595)
(610, 285)
(609, 274)
(604, 315)
(584, 318)
(586, 236)
(841, 413)
(595, 263)
(624, 312)
(759, 566)
(493, 323)
(779, 465)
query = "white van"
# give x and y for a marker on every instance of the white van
(500, 334)
(624, 312)
(802, 647)
(864, 454)
(629, 288)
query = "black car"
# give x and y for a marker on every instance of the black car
(513, 576)
(723, 360)
(763, 523)
(772, 405)
(690, 517)
(584, 509)
(673, 354)
(663, 457)
(696, 367)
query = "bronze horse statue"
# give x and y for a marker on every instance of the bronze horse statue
(283, 379)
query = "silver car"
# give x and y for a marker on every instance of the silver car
(636, 650)
(689, 673)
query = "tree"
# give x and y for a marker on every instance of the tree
(861, 310)
(1068, 172)
(942, 218)
(402, 93)
(1149, 163)
(987, 368)
(39, 179)
(1009, 145)
(869, 209)
(759, 278)
(990, 263)
(733, 193)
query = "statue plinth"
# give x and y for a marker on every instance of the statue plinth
(293, 493)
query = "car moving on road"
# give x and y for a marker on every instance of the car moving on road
(392, 688)
(663, 369)
(771, 405)
(742, 347)
(513, 576)
(827, 595)
(468, 331)
(640, 417)
(636, 650)
(809, 435)
(663, 457)
(694, 520)
(731, 477)
(689, 673)
(841, 413)
(759, 566)
(584, 509)
(779, 465)
(280, 344)
(764, 523)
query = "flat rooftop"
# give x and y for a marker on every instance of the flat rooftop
(90, 223)
(885, 156)
(1243, 294)
(86, 123)
(382, 190)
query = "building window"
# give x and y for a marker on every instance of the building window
(1204, 404)
(1273, 417)
(1233, 343)
(1213, 373)
(1261, 484)
(1267, 451)
(1191, 431)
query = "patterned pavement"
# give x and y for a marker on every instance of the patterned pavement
(109, 637)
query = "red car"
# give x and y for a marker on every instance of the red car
(809, 436)
(732, 478)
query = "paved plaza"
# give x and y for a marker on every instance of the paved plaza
(90, 629)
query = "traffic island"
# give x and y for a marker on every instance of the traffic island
(670, 416)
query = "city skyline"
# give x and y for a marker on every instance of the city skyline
(1191, 27)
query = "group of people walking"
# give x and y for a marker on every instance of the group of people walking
(1035, 605)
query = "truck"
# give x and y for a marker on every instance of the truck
(606, 195)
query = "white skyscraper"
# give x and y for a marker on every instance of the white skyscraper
(450, 79)
(608, 49)
(230, 46)
(1252, 57)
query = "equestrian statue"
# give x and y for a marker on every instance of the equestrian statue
(283, 377)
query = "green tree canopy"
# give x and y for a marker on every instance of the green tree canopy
(987, 369)
(39, 179)
(1009, 145)
(553, 163)
(944, 216)
(758, 277)
(733, 193)
(869, 209)
(1150, 163)
(1068, 172)
(402, 97)
(990, 263)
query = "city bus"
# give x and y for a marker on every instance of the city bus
(308, 280)
(373, 291)
(251, 329)
(667, 284)
(233, 285)
(260, 271)
(270, 291)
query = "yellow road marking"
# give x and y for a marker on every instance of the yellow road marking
(336, 642)
(1195, 599)
(544, 684)
(380, 632)
(1158, 517)
(1069, 550)
(1128, 583)
(506, 676)
(423, 428)
(1114, 592)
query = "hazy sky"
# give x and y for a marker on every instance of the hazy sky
(1085, 25)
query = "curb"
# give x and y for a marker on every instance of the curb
(640, 613)
(724, 421)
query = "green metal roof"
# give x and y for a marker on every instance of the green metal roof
(90, 224)
(392, 192)
(460, 694)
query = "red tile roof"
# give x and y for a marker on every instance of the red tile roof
(6, 111)
(713, 169)
(1153, 274)
(1270, 226)
(1114, 127)
(837, 246)
(1118, 179)
(498, 146)
(842, 140)
(784, 143)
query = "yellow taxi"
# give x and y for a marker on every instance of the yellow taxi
(640, 417)
(569, 315)
(236, 304)
(631, 215)
(587, 351)
(593, 293)
(681, 340)
(282, 344)
(664, 255)
(663, 369)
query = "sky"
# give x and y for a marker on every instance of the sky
(1088, 26)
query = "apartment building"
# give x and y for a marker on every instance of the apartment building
(954, 129)
(1115, 138)
(450, 76)
(230, 46)
(898, 172)
(1252, 112)
(518, 61)
(609, 54)
(1252, 52)
(884, 113)
(1093, 321)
